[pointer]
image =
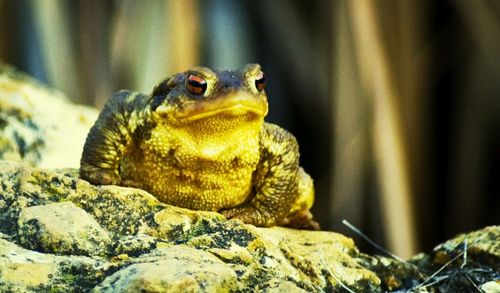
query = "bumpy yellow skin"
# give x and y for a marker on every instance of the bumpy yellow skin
(207, 152)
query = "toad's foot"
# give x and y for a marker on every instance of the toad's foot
(250, 215)
(99, 176)
(301, 220)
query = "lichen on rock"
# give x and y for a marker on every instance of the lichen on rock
(177, 268)
(61, 228)
(23, 270)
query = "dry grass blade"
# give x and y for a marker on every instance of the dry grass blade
(473, 284)
(52, 18)
(465, 253)
(350, 112)
(388, 136)
(335, 277)
(357, 231)
(423, 284)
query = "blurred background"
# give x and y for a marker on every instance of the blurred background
(395, 104)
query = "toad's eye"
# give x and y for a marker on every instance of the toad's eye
(196, 85)
(260, 81)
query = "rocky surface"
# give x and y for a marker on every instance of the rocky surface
(61, 234)
(463, 264)
(39, 125)
(61, 227)
(69, 235)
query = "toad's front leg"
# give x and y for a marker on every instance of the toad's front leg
(110, 139)
(275, 180)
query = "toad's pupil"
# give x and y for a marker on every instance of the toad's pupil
(196, 85)
(260, 81)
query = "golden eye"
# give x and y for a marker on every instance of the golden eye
(196, 85)
(260, 81)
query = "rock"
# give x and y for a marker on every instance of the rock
(23, 270)
(61, 228)
(178, 268)
(461, 264)
(135, 245)
(481, 246)
(491, 287)
(39, 125)
(142, 244)
(468, 260)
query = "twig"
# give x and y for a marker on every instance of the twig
(481, 270)
(357, 231)
(473, 284)
(437, 280)
(335, 277)
(438, 271)
(465, 253)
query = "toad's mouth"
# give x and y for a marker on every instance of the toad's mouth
(236, 105)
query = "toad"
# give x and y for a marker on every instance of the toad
(199, 141)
